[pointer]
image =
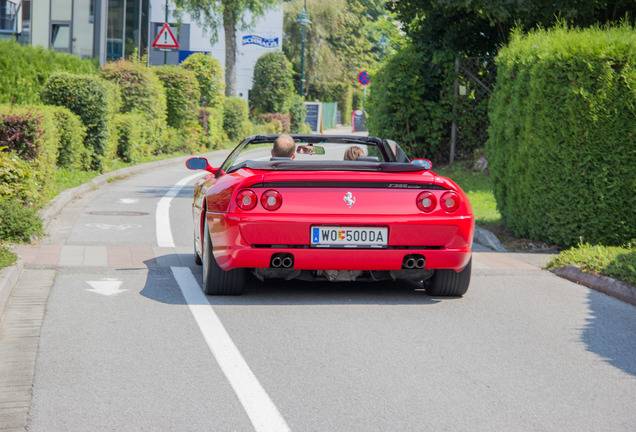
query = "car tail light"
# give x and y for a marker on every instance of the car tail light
(449, 202)
(246, 199)
(426, 202)
(271, 200)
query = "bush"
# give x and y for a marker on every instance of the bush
(561, 147)
(211, 121)
(17, 179)
(272, 87)
(141, 92)
(24, 69)
(298, 112)
(186, 140)
(130, 133)
(209, 74)
(279, 122)
(408, 102)
(236, 121)
(357, 101)
(29, 135)
(72, 153)
(18, 222)
(88, 97)
(182, 95)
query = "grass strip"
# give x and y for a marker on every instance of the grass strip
(617, 262)
(7, 258)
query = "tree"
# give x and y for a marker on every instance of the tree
(231, 14)
(480, 27)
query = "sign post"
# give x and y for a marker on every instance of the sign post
(363, 78)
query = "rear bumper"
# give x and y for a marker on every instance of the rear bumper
(240, 242)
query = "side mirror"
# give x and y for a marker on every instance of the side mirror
(200, 163)
(424, 163)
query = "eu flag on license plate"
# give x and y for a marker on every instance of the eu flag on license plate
(314, 235)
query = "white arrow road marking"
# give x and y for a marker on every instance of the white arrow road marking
(128, 200)
(259, 407)
(164, 232)
(106, 287)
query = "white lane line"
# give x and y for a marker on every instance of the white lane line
(164, 232)
(259, 407)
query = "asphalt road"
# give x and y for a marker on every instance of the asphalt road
(123, 340)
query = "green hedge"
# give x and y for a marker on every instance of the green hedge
(18, 222)
(88, 97)
(209, 75)
(29, 138)
(141, 92)
(182, 95)
(298, 112)
(25, 69)
(236, 123)
(130, 131)
(71, 151)
(562, 152)
(272, 86)
(409, 101)
(211, 121)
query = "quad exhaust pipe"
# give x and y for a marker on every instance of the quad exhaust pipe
(413, 261)
(282, 260)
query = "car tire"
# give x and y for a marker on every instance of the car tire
(449, 283)
(197, 257)
(217, 281)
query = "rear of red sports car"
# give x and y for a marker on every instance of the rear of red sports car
(339, 221)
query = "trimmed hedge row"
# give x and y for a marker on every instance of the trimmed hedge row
(90, 98)
(182, 95)
(562, 146)
(25, 69)
(142, 93)
(236, 120)
(29, 138)
(209, 74)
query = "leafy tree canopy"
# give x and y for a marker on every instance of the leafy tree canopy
(480, 27)
(342, 39)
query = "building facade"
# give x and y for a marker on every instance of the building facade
(112, 29)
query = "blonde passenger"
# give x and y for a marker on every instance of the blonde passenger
(353, 153)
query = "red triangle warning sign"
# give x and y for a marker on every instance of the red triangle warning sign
(165, 38)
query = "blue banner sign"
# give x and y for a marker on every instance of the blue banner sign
(260, 41)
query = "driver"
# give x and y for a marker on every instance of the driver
(284, 146)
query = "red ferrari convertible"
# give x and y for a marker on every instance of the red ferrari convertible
(316, 216)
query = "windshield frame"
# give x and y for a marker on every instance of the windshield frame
(382, 146)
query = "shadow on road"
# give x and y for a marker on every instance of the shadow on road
(610, 331)
(161, 286)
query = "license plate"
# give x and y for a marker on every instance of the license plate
(352, 237)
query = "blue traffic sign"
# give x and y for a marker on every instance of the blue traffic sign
(363, 77)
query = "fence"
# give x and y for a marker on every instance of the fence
(474, 82)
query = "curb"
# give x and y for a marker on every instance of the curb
(604, 284)
(9, 277)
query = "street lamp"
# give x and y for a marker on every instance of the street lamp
(382, 43)
(302, 19)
